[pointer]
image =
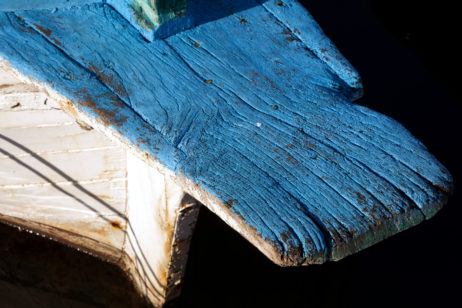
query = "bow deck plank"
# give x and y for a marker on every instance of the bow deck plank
(245, 110)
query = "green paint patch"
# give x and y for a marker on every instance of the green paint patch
(150, 14)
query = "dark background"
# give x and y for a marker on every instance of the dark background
(406, 54)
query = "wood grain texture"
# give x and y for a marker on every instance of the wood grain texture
(161, 220)
(152, 18)
(64, 180)
(55, 182)
(248, 109)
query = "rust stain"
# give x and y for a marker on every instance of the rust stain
(169, 229)
(103, 196)
(140, 140)
(293, 252)
(47, 33)
(116, 224)
(83, 125)
(25, 29)
(109, 80)
(107, 117)
(229, 204)
(271, 83)
(360, 198)
(290, 36)
(291, 160)
(443, 189)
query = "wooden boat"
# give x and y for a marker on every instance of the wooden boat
(242, 106)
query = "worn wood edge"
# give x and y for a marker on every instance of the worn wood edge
(178, 258)
(160, 225)
(182, 235)
(222, 210)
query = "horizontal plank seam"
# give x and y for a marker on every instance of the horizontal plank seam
(94, 149)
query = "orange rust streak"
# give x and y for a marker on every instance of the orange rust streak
(47, 33)
(109, 80)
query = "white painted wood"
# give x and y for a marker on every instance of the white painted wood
(14, 90)
(58, 178)
(156, 225)
(62, 179)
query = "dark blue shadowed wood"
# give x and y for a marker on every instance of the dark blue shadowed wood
(254, 107)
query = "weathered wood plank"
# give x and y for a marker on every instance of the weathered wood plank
(259, 124)
(29, 119)
(70, 138)
(86, 193)
(62, 188)
(161, 221)
(16, 95)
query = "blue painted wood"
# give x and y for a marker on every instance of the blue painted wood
(154, 19)
(305, 28)
(247, 106)
(20, 5)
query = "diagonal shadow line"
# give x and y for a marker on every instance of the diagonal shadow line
(60, 172)
(20, 162)
(75, 183)
(143, 257)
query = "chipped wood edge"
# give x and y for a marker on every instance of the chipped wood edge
(161, 220)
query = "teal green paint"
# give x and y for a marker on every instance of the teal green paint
(153, 13)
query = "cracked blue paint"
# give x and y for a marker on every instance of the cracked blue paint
(254, 105)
